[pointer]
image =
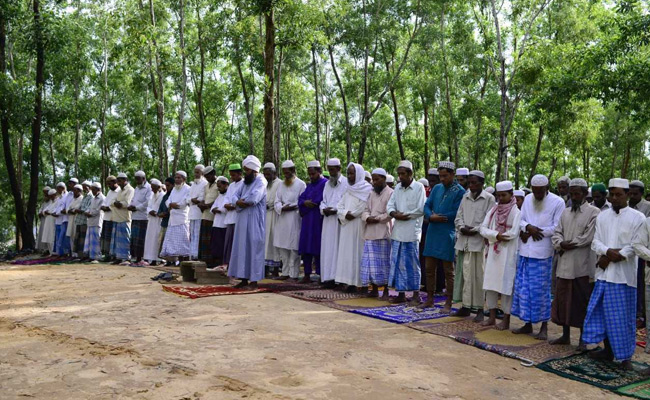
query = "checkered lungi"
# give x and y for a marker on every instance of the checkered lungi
(91, 243)
(205, 254)
(121, 240)
(375, 262)
(405, 274)
(195, 237)
(531, 299)
(611, 315)
(138, 235)
(80, 238)
(177, 241)
(62, 241)
(107, 236)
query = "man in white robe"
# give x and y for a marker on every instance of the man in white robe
(40, 245)
(286, 235)
(332, 194)
(236, 177)
(48, 227)
(349, 210)
(177, 236)
(151, 244)
(197, 194)
(271, 254)
(71, 212)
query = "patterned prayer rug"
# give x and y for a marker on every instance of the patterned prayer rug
(321, 295)
(195, 292)
(284, 286)
(603, 374)
(402, 313)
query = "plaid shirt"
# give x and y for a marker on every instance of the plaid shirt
(81, 219)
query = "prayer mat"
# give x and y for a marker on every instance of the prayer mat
(322, 295)
(195, 292)
(402, 313)
(641, 337)
(284, 286)
(603, 374)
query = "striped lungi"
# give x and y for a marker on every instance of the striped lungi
(611, 315)
(204, 241)
(92, 243)
(531, 299)
(375, 263)
(405, 274)
(138, 234)
(107, 236)
(80, 238)
(121, 240)
(195, 237)
(177, 241)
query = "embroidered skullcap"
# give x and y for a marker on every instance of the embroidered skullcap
(97, 185)
(390, 179)
(433, 171)
(288, 164)
(475, 172)
(380, 171)
(122, 175)
(75, 180)
(462, 171)
(156, 182)
(200, 167)
(269, 165)
(447, 165)
(333, 162)
(182, 173)
(424, 182)
(539, 180)
(564, 179)
(405, 164)
(504, 186)
(208, 170)
(222, 179)
(489, 189)
(252, 162)
(578, 182)
(637, 183)
(140, 174)
(519, 193)
(51, 192)
(619, 183)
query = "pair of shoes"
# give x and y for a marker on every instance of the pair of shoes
(165, 276)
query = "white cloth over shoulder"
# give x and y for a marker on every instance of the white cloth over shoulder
(500, 268)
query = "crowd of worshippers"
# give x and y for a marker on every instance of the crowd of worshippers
(499, 249)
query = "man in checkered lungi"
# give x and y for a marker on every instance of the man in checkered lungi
(107, 223)
(375, 262)
(611, 313)
(94, 216)
(139, 218)
(121, 239)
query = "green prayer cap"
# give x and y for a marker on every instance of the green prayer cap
(599, 187)
(234, 167)
(326, 174)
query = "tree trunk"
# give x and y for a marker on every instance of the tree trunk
(269, 73)
(626, 161)
(427, 158)
(102, 125)
(159, 95)
(242, 81)
(538, 148)
(517, 162)
(553, 165)
(278, 134)
(144, 128)
(346, 120)
(317, 97)
(199, 89)
(181, 112)
(398, 132)
(452, 119)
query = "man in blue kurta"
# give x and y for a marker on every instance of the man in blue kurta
(440, 210)
(247, 257)
(312, 220)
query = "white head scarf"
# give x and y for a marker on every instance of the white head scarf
(361, 189)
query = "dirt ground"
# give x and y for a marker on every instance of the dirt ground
(99, 331)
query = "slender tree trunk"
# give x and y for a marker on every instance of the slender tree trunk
(479, 120)
(626, 160)
(278, 134)
(538, 148)
(159, 95)
(427, 158)
(452, 119)
(398, 132)
(242, 81)
(199, 89)
(269, 65)
(348, 139)
(517, 162)
(102, 125)
(181, 112)
(553, 166)
(317, 98)
(144, 128)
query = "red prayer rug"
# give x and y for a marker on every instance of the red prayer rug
(195, 292)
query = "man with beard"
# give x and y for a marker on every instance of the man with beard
(611, 312)
(247, 259)
(121, 239)
(218, 235)
(576, 262)
(563, 189)
(210, 194)
(94, 216)
(197, 195)
(107, 223)
(349, 209)
(139, 218)
(71, 211)
(540, 215)
(309, 201)
(163, 214)
(41, 244)
(81, 222)
(375, 263)
(151, 244)
(599, 193)
(177, 236)
(271, 254)
(231, 217)
(332, 194)
(468, 279)
(287, 231)
(462, 175)
(62, 220)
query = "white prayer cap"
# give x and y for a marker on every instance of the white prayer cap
(222, 179)
(78, 187)
(333, 162)
(519, 193)
(97, 185)
(207, 170)
(60, 184)
(637, 184)
(539, 180)
(47, 189)
(564, 179)
(140, 174)
(447, 165)
(489, 189)
(269, 165)
(313, 164)
(288, 164)
(390, 179)
(75, 180)
(252, 162)
(405, 164)
(619, 183)
(122, 175)
(156, 182)
(200, 167)
(51, 192)
(87, 183)
(424, 182)
(380, 171)
(475, 172)
(367, 174)
(504, 186)
(182, 173)
(433, 171)
(462, 171)
(578, 182)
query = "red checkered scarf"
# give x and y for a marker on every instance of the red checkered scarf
(502, 211)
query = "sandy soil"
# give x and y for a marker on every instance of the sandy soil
(98, 331)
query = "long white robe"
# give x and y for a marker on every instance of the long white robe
(49, 226)
(151, 243)
(270, 251)
(40, 244)
(351, 241)
(287, 229)
(331, 229)
(74, 204)
(500, 269)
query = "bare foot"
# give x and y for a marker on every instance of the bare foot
(560, 340)
(528, 328)
(479, 316)
(373, 293)
(602, 355)
(446, 309)
(415, 301)
(489, 322)
(503, 325)
(627, 365)
(241, 284)
(384, 296)
(542, 335)
(426, 304)
(252, 286)
(581, 348)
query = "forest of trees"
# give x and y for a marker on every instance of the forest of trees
(513, 87)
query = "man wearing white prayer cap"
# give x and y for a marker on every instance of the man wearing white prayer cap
(563, 188)
(107, 221)
(611, 313)
(139, 217)
(575, 266)
(40, 245)
(520, 195)
(470, 246)
(390, 181)
(368, 177)
(62, 244)
(501, 229)
(247, 258)
(151, 241)
(334, 189)
(424, 182)
(540, 215)
(210, 194)
(81, 223)
(434, 177)
(176, 243)
(406, 207)
(440, 211)
(94, 221)
(461, 177)
(121, 215)
(311, 228)
(286, 237)
(71, 212)
(197, 195)
(271, 254)
(230, 207)
(48, 226)
(490, 190)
